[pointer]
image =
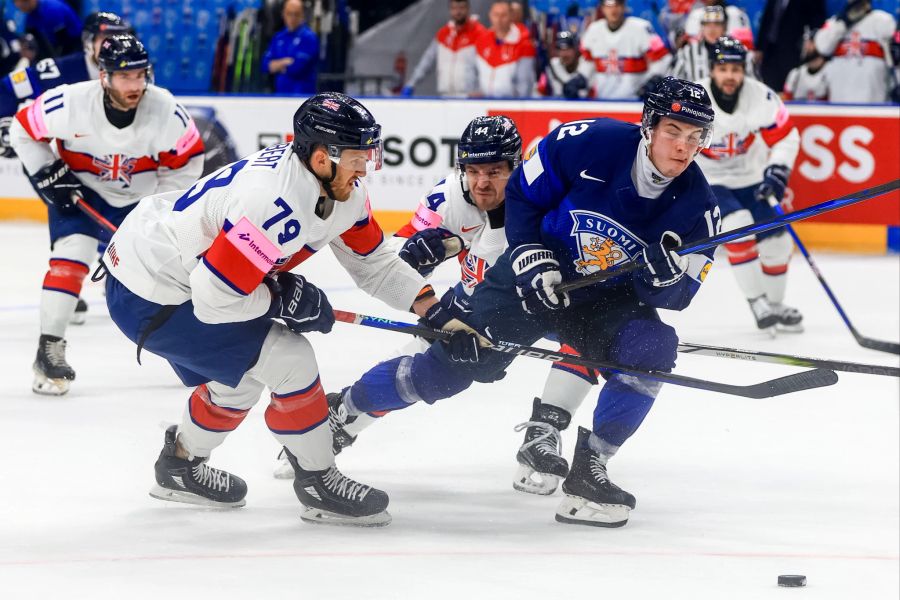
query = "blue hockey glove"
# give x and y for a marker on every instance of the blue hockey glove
(573, 87)
(406, 92)
(302, 306)
(775, 179)
(537, 274)
(464, 344)
(55, 184)
(664, 266)
(427, 249)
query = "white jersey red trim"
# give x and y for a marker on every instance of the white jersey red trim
(738, 24)
(505, 67)
(453, 50)
(160, 151)
(624, 59)
(757, 134)
(801, 84)
(214, 243)
(860, 67)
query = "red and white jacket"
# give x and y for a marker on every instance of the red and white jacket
(214, 243)
(623, 59)
(160, 151)
(453, 49)
(757, 134)
(505, 67)
(860, 65)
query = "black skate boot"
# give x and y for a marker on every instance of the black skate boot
(192, 481)
(765, 316)
(591, 498)
(790, 320)
(80, 315)
(541, 464)
(332, 498)
(52, 373)
(337, 418)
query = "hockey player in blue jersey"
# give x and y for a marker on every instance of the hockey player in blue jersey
(594, 193)
(28, 83)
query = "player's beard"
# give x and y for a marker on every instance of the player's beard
(128, 101)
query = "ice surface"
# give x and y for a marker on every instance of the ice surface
(731, 492)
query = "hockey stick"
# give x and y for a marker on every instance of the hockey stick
(865, 342)
(93, 213)
(787, 359)
(774, 387)
(729, 236)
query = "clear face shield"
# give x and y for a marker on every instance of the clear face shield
(360, 160)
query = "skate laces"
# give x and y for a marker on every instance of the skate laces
(211, 478)
(343, 486)
(546, 441)
(597, 468)
(56, 352)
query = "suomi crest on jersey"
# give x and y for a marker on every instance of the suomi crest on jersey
(601, 242)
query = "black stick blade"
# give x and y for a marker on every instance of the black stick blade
(796, 382)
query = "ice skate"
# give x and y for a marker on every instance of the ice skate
(193, 482)
(337, 419)
(541, 465)
(766, 318)
(790, 320)
(283, 468)
(52, 374)
(591, 498)
(80, 315)
(332, 498)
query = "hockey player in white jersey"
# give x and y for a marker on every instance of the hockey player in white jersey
(748, 165)
(199, 277)
(626, 53)
(857, 40)
(111, 141)
(692, 60)
(568, 74)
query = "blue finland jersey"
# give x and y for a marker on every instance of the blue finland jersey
(574, 194)
(31, 82)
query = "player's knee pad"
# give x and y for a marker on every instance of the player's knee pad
(286, 361)
(775, 253)
(207, 415)
(736, 220)
(69, 264)
(297, 411)
(646, 344)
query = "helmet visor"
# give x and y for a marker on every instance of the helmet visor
(366, 160)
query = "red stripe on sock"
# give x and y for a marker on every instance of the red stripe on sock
(298, 412)
(774, 269)
(741, 252)
(208, 416)
(65, 276)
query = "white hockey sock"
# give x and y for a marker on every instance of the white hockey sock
(774, 255)
(565, 390)
(604, 450)
(362, 421)
(56, 310)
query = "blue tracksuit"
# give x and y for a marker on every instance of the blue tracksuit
(303, 46)
(574, 195)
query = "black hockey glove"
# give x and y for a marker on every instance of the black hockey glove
(537, 274)
(6, 150)
(664, 266)
(573, 87)
(302, 306)
(464, 344)
(854, 12)
(774, 181)
(55, 184)
(428, 248)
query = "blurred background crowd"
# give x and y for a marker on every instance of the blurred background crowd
(814, 50)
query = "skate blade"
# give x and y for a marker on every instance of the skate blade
(531, 482)
(782, 328)
(575, 510)
(183, 497)
(49, 387)
(324, 517)
(283, 470)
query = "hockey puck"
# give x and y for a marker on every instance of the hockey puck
(792, 580)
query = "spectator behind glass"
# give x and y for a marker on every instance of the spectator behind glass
(692, 60)
(780, 40)
(9, 45)
(626, 53)
(858, 41)
(55, 27)
(738, 22)
(505, 57)
(567, 74)
(293, 53)
(453, 49)
(809, 81)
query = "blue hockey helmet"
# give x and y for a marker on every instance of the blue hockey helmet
(122, 52)
(566, 39)
(727, 50)
(490, 139)
(337, 122)
(681, 100)
(105, 23)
